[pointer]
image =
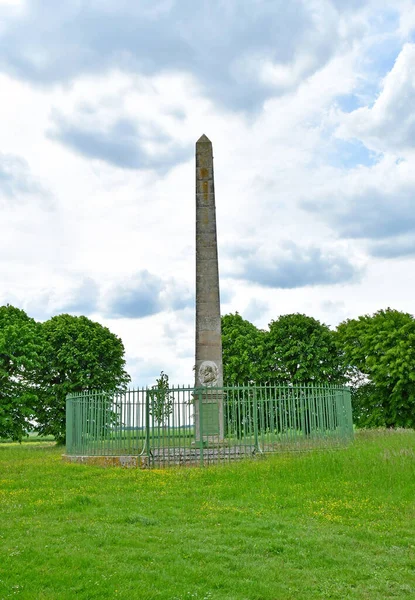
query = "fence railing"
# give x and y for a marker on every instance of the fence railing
(185, 425)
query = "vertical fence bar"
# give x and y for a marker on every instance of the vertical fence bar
(147, 447)
(347, 399)
(272, 405)
(321, 392)
(69, 424)
(200, 409)
(326, 427)
(179, 410)
(302, 412)
(331, 408)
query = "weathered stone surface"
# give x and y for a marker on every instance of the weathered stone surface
(127, 461)
(208, 360)
(169, 457)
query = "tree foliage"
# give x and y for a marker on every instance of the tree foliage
(78, 354)
(19, 360)
(296, 349)
(300, 349)
(379, 353)
(243, 348)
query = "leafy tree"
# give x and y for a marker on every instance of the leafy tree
(161, 400)
(19, 359)
(296, 349)
(379, 353)
(300, 349)
(243, 347)
(78, 355)
(243, 350)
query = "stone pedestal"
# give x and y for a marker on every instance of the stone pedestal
(209, 415)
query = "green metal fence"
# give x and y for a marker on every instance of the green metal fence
(185, 425)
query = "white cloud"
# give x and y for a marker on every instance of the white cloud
(389, 125)
(406, 18)
(91, 135)
(11, 3)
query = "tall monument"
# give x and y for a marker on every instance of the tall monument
(208, 364)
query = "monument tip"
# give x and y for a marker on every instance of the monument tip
(203, 140)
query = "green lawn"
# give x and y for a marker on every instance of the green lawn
(325, 524)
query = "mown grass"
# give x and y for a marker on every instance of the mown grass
(335, 524)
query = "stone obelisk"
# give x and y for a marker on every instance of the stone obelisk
(208, 364)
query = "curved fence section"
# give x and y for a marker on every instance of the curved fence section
(183, 425)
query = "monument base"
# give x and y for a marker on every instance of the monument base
(208, 417)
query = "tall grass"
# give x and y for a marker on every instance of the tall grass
(325, 524)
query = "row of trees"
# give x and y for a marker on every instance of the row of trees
(40, 363)
(373, 354)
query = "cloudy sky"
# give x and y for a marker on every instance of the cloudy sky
(310, 105)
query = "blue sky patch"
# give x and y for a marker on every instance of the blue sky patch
(349, 154)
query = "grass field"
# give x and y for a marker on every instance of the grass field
(335, 524)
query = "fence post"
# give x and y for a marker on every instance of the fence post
(147, 449)
(256, 439)
(201, 444)
(69, 424)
